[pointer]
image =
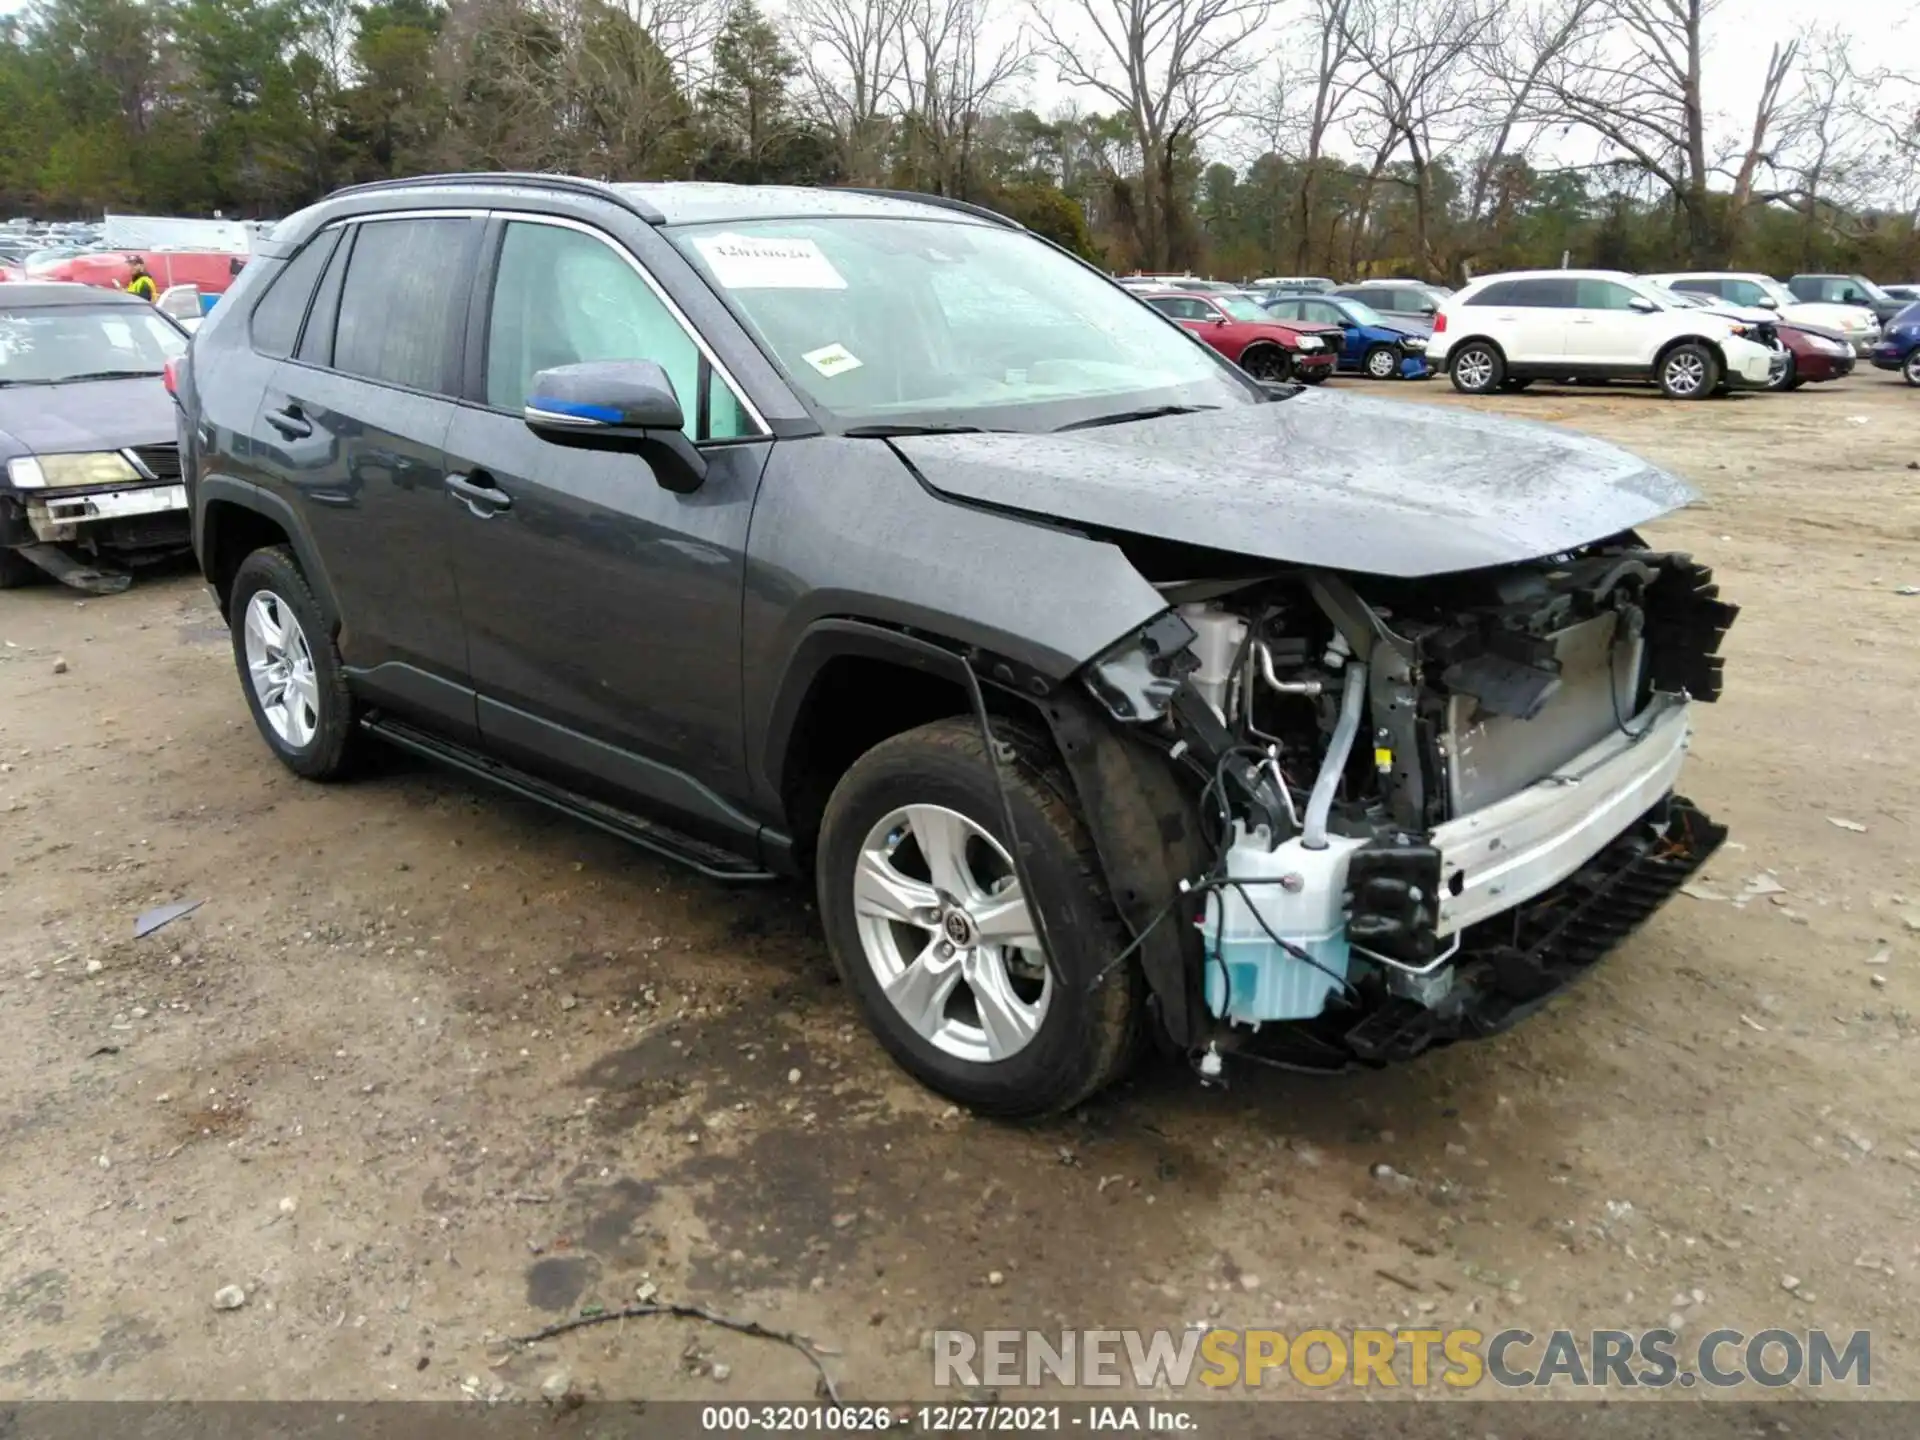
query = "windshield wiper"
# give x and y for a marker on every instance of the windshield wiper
(107, 375)
(883, 432)
(1152, 413)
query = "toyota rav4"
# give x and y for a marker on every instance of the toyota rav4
(1103, 690)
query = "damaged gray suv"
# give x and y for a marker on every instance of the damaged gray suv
(1104, 692)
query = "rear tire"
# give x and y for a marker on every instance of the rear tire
(1382, 362)
(1044, 1038)
(1477, 368)
(1911, 370)
(289, 666)
(1689, 372)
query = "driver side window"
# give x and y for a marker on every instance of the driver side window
(561, 297)
(1602, 295)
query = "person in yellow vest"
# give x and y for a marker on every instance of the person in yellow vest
(140, 282)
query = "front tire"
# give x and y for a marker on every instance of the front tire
(1478, 368)
(1266, 362)
(16, 571)
(1689, 372)
(290, 667)
(1789, 376)
(1911, 370)
(927, 924)
(1382, 362)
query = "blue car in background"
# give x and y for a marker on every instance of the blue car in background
(1370, 344)
(1899, 345)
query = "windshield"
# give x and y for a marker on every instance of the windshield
(44, 347)
(1361, 313)
(1870, 289)
(1241, 307)
(939, 322)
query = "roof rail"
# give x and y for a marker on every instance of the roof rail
(599, 189)
(941, 202)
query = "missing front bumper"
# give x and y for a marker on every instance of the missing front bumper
(1510, 966)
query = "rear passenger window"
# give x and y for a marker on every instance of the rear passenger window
(561, 297)
(1543, 294)
(276, 319)
(1498, 293)
(403, 302)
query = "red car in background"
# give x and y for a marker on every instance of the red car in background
(211, 270)
(1814, 356)
(1242, 330)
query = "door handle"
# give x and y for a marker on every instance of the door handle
(1583, 322)
(290, 422)
(482, 499)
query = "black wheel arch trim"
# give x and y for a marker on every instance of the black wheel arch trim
(1144, 827)
(227, 490)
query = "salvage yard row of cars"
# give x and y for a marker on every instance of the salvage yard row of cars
(868, 538)
(1693, 334)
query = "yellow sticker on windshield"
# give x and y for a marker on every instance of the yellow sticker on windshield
(834, 359)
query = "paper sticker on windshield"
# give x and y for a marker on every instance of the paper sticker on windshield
(833, 359)
(758, 262)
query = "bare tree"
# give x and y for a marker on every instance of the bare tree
(1175, 68)
(1336, 74)
(853, 58)
(953, 74)
(1527, 40)
(1416, 57)
(1633, 77)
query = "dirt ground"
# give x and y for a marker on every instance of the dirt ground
(431, 1067)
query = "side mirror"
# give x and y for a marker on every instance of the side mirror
(621, 405)
(1219, 319)
(1429, 309)
(1643, 305)
(1767, 302)
(180, 302)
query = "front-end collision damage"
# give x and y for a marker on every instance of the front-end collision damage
(1349, 818)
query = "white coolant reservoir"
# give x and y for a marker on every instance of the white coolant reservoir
(1216, 645)
(1301, 895)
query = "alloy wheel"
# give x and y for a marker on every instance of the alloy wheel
(949, 935)
(1475, 369)
(280, 666)
(1686, 373)
(1912, 368)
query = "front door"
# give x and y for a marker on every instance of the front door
(354, 423)
(603, 611)
(1603, 328)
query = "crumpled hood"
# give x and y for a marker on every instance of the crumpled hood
(1341, 481)
(89, 415)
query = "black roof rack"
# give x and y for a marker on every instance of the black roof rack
(599, 189)
(942, 202)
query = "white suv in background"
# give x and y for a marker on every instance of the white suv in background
(1506, 331)
(1859, 325)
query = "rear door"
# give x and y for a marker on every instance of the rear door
(603, 611)
(354, 422)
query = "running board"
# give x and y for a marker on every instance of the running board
(662, 840)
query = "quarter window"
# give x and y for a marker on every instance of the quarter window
(276, 319)
(403, 302)
(561, 297)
